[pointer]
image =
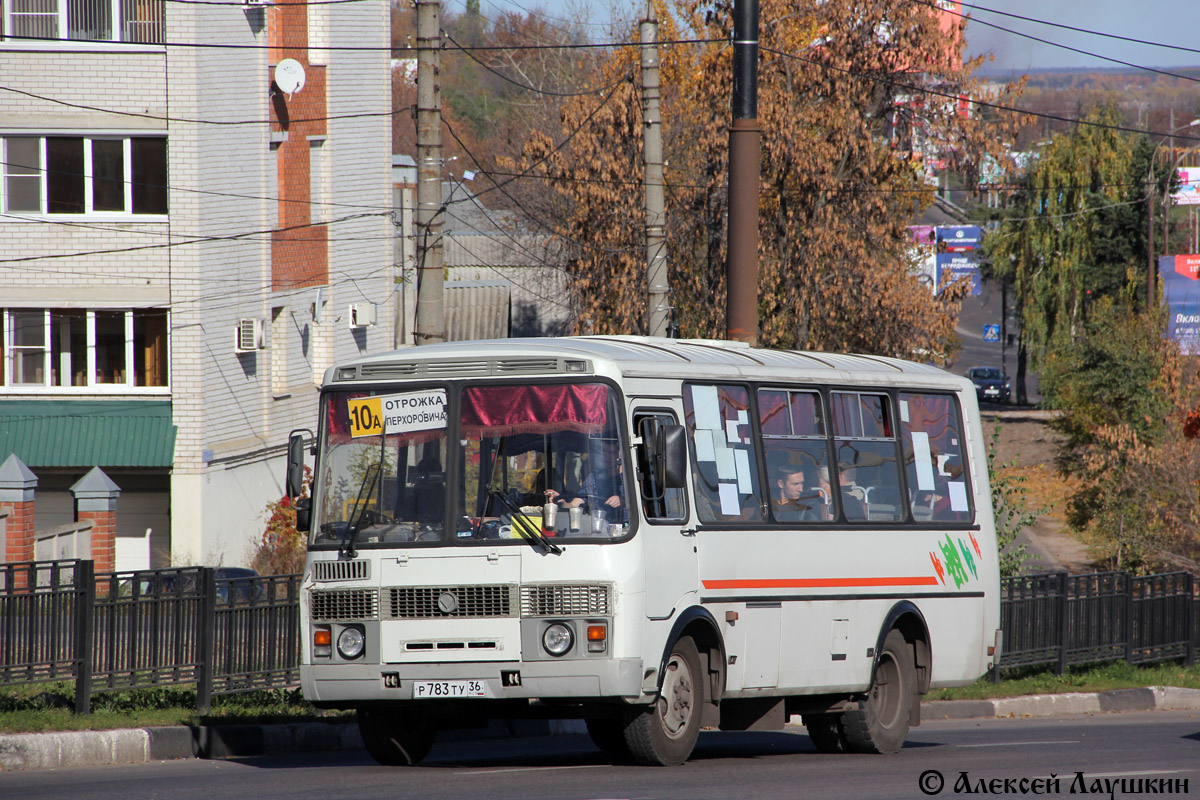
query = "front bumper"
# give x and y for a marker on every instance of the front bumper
(591, 678)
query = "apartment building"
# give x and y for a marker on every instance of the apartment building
(189, 236)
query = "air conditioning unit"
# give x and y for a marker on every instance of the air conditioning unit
(248, 336)
(362, 315)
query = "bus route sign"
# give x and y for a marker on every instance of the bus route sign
(402, 413)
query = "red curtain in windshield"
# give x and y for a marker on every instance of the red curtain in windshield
(506, 410)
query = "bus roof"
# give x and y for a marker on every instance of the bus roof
(633, 356)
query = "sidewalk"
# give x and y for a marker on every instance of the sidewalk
(140, 745)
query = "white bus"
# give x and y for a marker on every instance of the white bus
(655, 536)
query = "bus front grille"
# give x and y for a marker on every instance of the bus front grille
(356, 570)
(565, 600)
(426, 602)
(339, 604)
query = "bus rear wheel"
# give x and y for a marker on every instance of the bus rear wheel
(879, 724)
(665, 733)
(396, 737)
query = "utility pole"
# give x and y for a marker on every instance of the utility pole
(741, 266)
(431, 313)
(656, 249)
(1151, 277)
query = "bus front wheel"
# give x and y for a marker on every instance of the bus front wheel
(396, 737)
(879, 724)
(825, 731)
(665, 733)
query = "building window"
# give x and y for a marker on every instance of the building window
(137, 21)
(77, 349)
(85, 175)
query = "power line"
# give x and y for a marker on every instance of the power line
(535, 218)
(167, 118)
(982, 103)
(1059, 25)
(196, 240)
(527, 87)
(1063, 46)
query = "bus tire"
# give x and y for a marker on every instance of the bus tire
(664, 734)
(827, 733)
(395, 737)
(879, 723)
(609, 735)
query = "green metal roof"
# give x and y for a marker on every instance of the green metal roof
(88, 433)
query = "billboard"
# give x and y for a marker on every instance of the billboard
(1189, 187)
(959, 238)
(1181, 290)
(955, 266)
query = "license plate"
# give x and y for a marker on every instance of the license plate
(437, 689)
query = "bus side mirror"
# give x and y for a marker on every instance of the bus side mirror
(672, 450)
(295, 465)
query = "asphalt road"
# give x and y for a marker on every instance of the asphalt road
(1155, 746)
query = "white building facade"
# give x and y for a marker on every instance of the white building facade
(184, 246)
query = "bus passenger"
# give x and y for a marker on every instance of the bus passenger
(795, 502)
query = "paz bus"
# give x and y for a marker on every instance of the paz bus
(654, 536)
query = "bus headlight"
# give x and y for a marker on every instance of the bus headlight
(350, 643)
(557, 639)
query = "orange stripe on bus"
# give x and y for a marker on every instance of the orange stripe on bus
(820, 583)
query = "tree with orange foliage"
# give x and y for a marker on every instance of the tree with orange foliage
(281, 549)
(836, 191)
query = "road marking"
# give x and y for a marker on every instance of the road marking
(1019, 744)
(531, 769)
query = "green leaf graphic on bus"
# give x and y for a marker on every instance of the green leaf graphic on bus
(954, 564)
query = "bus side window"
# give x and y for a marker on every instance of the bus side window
(868, 471)
(728, 487)
(934, 462)
(658, 504)
(797, 456)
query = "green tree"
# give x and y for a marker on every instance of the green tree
(1010, 506)
(1076, 233)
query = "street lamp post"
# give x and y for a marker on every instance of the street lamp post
(1151, 261)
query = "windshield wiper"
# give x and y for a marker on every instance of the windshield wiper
(370, 478)
(528, 531)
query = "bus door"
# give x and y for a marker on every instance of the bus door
(669, 548)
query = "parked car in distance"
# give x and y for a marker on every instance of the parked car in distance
(990, 384)
(239, 584)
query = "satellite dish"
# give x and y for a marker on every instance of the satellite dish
(289, 76)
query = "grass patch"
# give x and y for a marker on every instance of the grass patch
(1089, 678)
(49, 707)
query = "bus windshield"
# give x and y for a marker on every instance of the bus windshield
(532, 459)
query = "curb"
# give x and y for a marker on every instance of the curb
(22, 751)
(1150, 698)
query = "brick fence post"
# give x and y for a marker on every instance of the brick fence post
(96, 501)
(17, 487)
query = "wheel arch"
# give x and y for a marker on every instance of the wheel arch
(698, 623)
(908, 619)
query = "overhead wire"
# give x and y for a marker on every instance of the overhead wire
(1060, 25)
(1062, 46)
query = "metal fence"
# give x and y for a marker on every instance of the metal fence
(124, 630)
(1063, 619)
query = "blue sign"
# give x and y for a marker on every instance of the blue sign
(991, 333)
(958, 238)
(1181, 289)
(955, 266)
